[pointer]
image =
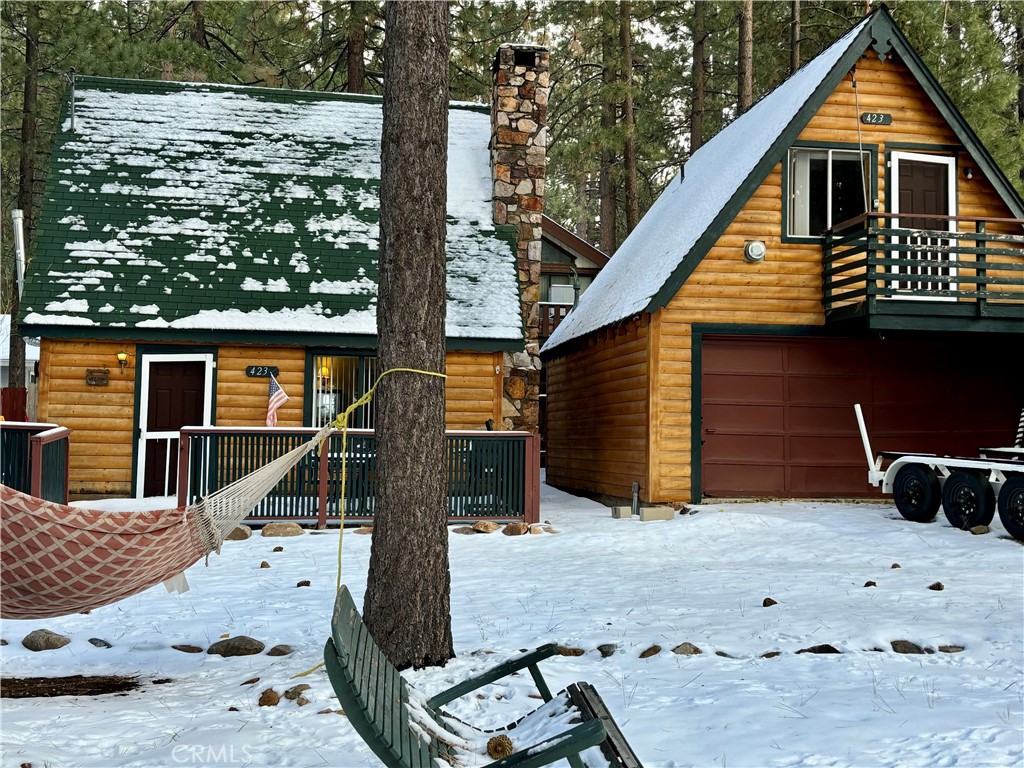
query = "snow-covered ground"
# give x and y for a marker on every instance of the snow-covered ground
(699, 578)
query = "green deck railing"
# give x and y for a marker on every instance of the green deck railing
(34, 459)
(897, 263)
(491, 475)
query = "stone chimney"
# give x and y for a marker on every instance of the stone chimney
(519, 108)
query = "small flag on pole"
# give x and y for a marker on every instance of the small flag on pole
(278, 397)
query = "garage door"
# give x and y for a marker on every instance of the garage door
(777, 413)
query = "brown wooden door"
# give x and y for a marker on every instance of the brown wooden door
(924, 189)
(176, 397)
(777, 413)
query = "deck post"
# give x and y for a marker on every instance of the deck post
(981, 272)
(323, 484)
(35, 464)
(183, 447)
(531, 495)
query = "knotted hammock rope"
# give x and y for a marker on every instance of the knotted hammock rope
(56, 559)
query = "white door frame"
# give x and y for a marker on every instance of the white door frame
(894, 196)
(143, 394)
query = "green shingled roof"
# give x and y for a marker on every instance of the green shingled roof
(175, 210)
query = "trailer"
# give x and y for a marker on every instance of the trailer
(969, 489)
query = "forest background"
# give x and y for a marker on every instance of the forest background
(636, 86)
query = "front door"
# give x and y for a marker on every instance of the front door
(923, 185)
(175, 393)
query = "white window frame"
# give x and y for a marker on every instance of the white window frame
(799, 180)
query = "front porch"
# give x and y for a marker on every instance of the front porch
(949, 273)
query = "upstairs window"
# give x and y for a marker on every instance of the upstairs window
(826, 187)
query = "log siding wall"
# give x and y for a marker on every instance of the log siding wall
(103, 417)
(597, 433)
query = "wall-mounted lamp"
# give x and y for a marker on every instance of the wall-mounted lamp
(968, 173)
(754, 251)
(122, 360)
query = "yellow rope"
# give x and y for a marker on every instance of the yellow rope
(341, 422)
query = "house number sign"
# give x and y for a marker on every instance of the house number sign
(876, 118)
(261, 371)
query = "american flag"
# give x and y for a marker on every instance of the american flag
(278, 397)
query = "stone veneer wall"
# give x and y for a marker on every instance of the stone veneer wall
(519, 137)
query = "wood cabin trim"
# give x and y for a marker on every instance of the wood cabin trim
(266, 338)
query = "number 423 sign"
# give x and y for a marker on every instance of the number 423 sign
(876, 118)
(261, 371)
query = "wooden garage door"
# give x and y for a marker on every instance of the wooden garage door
(777, 413)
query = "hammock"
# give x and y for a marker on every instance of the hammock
(58, 559)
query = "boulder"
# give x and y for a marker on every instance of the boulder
(270, 698)
(44, 640)
(485, 526)
(905, 646)
(239, 533)
(99, 642)
(516, 529)
(607, 649)
(823, 648)
(240, 645)
(280, 650)
(686, 649)
(186, 648)
(654, 650)
(281, 529)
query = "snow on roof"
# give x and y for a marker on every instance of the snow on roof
(665, 235)
(197, 206)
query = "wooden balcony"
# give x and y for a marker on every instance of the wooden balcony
(925, 273)
(550, 316)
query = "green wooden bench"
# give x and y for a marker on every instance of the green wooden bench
(406, 729)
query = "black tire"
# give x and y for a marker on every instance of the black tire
(1011, 506)
(915, 489)
(968, 500)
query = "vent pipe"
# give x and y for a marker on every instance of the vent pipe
(17, 218)
(71, 81)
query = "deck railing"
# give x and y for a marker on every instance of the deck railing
(550, 316)
(34, 459)
(879, 257)
(491, 475)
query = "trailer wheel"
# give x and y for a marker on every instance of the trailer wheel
(915, 489)
(1011, 506)
(968, 500)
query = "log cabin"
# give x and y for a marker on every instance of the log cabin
(196, 238)
(847, 240)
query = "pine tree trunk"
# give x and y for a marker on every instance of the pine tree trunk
(606, 180)
(698, 76)
(794, 36)
(407, 605)
(198, 33)
(746, 57)
(628, 122)
(356, 50)
(26, 183)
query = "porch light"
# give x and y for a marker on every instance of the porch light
(968, 173)
(122, 360)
